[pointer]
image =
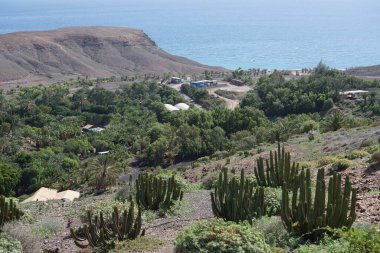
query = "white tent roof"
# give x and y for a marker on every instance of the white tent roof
(44, 194)
(69, 194)
(171, 108)
(182, 106)
(353, 92)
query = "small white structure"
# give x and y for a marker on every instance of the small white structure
(353, 94)
(171, 108)
(44, 194)
(182, 106)
(87, 127)
(96, 129)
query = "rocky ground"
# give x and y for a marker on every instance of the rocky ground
(196, 206)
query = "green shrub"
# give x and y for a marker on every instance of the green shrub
(217, 235)
(125, 192)
(220, 155)
(204, 159)
(196, 164)
(341, 164)
(327, 245)
(9, 178)
(326, 160)
(9, 245)
(309, 125)
(355, 154)
(140, 244)
(376, 157)
(305, 165)
(372, 149)
(25, 234)
(48, 226)
(274, 231)
(210, 180)
(362, 241)
(272, 198)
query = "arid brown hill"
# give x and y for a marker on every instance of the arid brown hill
(370, 71)
(93, 51)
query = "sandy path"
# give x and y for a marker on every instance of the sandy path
(197, 206)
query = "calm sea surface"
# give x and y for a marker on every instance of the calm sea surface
(282, 34)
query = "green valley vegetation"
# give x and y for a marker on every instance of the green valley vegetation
(43, 144)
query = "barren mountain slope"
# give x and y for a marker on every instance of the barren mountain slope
(370, 71)
(92, 51)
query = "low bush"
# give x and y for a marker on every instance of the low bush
(274, 231)
(217, 235)
(247, 143)
(366, 143)
(308, 126)
(341, 164)
(48, 227)
(140, 244)
(326, 160)
(327, 245)
(305, 165)
(362, 240)
(355, 154)
(272, 198)
(25, 235)
(376, 157)
(220, 155)
(125, 192)
(204, 159)
(9, 244)
(210, 180)
(372, 149)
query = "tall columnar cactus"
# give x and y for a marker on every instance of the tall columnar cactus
(237, 200)
(278, 169)
(311, 218)
(100, 232)
(153, 192)
(8, 211)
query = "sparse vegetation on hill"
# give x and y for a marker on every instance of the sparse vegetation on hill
(65, 53)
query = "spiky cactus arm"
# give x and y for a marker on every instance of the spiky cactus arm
(8, 211)
(99, 232)
(236, 200)
(312, 218)
(154, 191)
(278, 168)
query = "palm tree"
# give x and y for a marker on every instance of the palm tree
(104, 172)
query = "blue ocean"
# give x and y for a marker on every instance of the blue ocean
(273, 34)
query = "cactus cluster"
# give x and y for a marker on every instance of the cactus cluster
(312, 218)
(237, 200)
(154, 192)
(278, 169)
(8, 211)
(100, 232)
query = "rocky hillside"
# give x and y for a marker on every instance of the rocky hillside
(93, 51)
(370, 71)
